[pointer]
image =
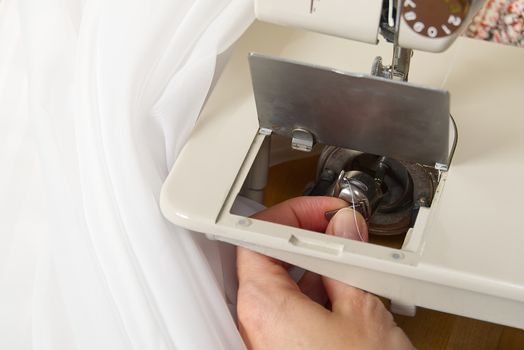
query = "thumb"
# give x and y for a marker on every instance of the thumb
(350, 224)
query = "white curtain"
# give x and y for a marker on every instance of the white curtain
(96, 99)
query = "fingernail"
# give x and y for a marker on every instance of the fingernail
(349, 223)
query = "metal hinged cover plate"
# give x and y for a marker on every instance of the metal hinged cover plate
(365, 113)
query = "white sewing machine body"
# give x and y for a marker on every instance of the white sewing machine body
(465, 253)
(422, 25)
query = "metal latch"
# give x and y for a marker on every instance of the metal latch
(302, 140)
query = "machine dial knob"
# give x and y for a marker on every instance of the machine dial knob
(435, 19)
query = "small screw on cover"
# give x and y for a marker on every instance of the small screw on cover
(244, 222)
(397, 256)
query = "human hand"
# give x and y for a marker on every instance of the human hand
(276, 313)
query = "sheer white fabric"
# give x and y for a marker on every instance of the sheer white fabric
(96, 99)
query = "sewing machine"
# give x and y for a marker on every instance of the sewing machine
(463, 246)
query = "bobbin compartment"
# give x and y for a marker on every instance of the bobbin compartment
(280, 173)
(395, 136)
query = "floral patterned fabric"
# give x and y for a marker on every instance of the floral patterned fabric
(501, 21)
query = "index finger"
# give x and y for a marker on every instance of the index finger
(302, 212)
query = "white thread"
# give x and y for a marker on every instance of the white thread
(451, 65)
(355, 214)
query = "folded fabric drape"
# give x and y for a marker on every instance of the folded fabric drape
(96, 99)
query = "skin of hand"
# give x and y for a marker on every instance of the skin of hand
(276, 313)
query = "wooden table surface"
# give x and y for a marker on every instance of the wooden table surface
(428, 329)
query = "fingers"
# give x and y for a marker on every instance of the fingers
(350, 224)
(303, 212)
(263, 271)
(311, 285)
(267, 295)
(274, 313)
